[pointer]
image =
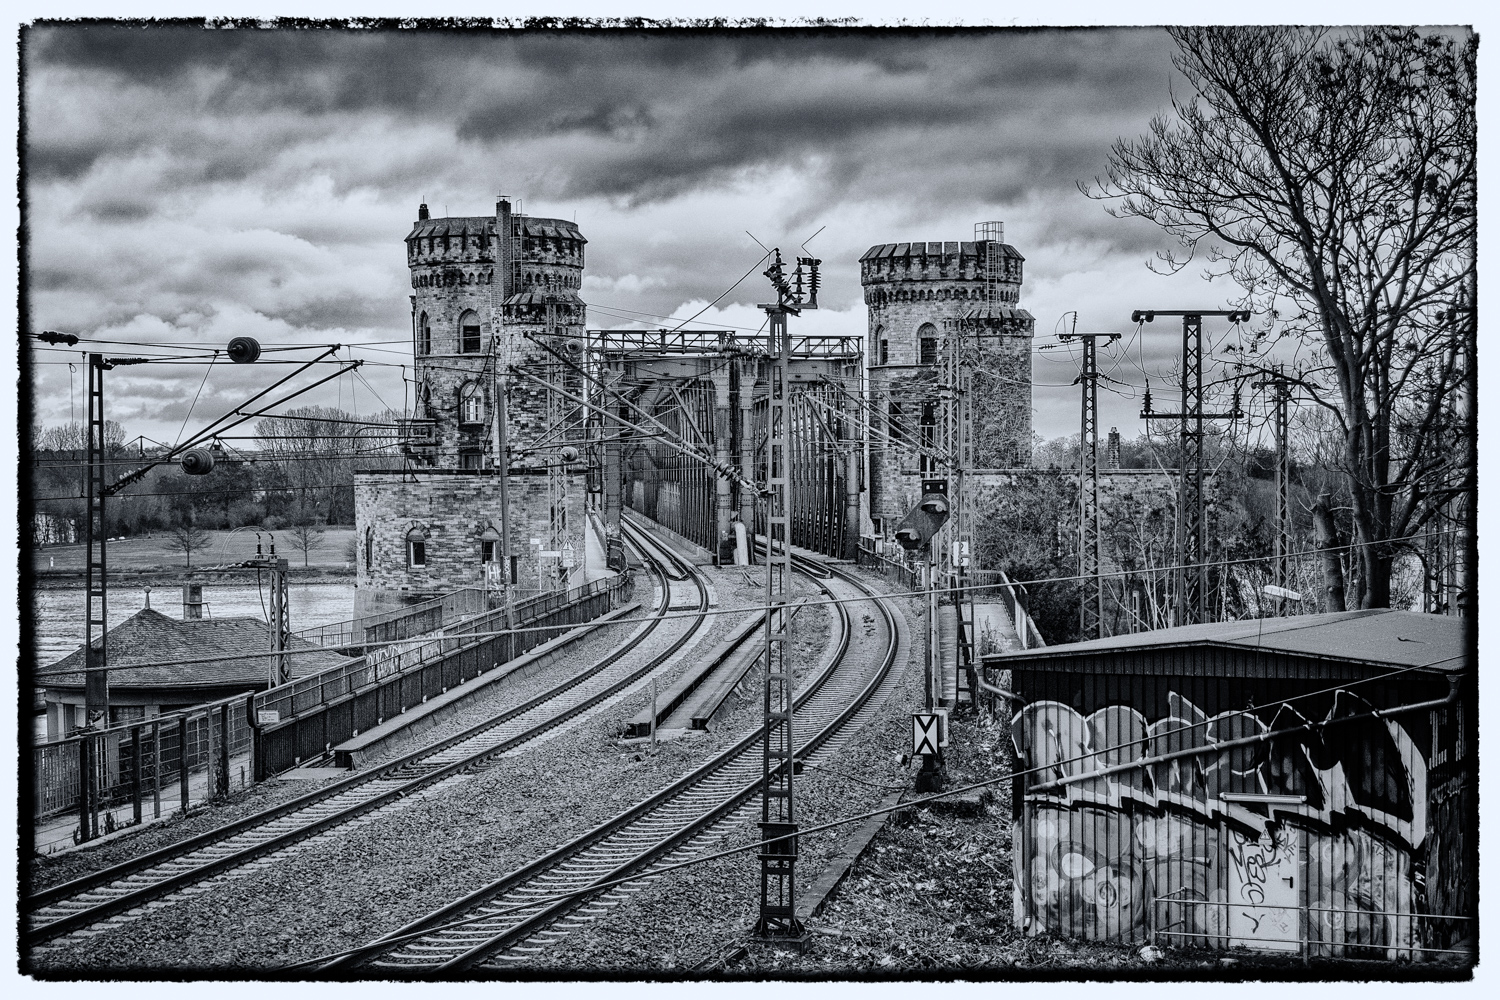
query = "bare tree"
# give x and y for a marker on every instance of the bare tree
(1332, 175)
(187, 539)
(306, 538)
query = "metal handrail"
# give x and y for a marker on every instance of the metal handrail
(346, 678)
(118, 727)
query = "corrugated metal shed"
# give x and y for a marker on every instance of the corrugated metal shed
(1377, 637)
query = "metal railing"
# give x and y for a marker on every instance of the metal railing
(905, 576)
(717, 341)
(174, 760)
(401, 622)
(315, 690)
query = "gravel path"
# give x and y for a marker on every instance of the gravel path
(362, 880)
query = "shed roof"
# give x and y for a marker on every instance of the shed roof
(1377, 636)
(141, 642)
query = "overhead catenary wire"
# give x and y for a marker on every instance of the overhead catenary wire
(915, 802)
(757, 608)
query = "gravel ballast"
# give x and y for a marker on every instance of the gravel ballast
(349, 886)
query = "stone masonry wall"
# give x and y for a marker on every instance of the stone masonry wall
(908, 286)
(454, 510)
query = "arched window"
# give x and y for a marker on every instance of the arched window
(489, 546)
(468, 330)
(470, 404)
(369, 549)
(927, 343)
(424, 335)
(416, 549)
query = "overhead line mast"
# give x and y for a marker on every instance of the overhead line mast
(1192, 574)
(1091, 609)
(778, 895)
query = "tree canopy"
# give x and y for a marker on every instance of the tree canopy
(1331, 174)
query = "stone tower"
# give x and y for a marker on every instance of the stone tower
(917, 293)
(490, 294)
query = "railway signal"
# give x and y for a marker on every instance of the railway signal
(926, 518)
(915, 533)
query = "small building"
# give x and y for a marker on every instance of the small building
(1301, 785)
(144, 680)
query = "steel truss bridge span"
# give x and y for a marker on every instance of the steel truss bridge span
(705, 395)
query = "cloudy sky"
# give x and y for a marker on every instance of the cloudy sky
(187, 186)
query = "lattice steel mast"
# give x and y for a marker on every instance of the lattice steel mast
(778, 818)
(1191, 574)
(96, 669)
(1091, 609)
(1281, 395)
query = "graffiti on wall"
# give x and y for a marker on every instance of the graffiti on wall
(1226, 837)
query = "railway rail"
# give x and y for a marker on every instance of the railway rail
(75, 906)
(516, 916)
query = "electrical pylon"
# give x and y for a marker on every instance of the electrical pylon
(1191, 574)
(778, 817)
(1091, 609)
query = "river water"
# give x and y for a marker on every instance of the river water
(58, 614)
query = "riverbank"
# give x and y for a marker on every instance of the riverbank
(168, 576)
(158, 558)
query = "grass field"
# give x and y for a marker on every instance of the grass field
(154, 552)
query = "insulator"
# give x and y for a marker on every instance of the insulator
(568, 453)
(197, 462)
(244, 350)
(574, 345)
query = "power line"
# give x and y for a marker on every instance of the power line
(913, 803)
(746, 609)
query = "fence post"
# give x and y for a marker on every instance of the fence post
(224, 748)
(84, 781)
(156, 769)
(135, 770)
(182, 762)
(257, 742)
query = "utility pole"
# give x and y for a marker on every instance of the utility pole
(1281, 395)
(280, 613)
(778, 896)
(96, 667)
(958, 431)
(506, 258)
(1191, 575)
(1091, 610)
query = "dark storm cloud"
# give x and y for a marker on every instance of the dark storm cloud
(651, 115)
(193, 185)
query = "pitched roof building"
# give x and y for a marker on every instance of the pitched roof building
(146, 678)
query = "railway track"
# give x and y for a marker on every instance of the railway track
(75, 907)
(515, 917)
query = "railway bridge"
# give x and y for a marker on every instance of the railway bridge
(711, 389)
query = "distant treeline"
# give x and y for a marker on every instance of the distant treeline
(294, 469)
